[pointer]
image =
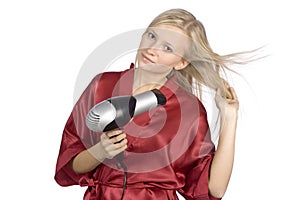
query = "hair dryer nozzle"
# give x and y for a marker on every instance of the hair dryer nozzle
(161, 99)
(148, 100)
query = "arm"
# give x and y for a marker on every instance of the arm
(111, 144)
(222, 163)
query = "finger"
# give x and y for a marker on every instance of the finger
(111, 149)
(218, 92)
(119, 150)
(113, 133)
(120, 144)
(117, 138)
(226, 88)
(228, 94)
(225, 83)
(233, 93)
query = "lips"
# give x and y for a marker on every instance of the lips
(145, 58)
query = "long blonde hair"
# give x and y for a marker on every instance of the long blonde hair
(205, 66)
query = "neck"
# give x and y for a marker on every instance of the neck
(145, 80)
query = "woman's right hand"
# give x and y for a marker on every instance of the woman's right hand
(112, 143)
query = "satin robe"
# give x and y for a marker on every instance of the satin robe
(169, 147)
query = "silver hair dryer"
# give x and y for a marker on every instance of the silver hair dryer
(117, 111)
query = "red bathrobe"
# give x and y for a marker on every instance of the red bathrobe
(169, 147)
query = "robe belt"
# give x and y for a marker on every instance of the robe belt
(84, 181)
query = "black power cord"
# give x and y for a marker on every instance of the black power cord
(120, 159)
(121, 164)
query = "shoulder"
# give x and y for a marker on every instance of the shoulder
(108, 84)
(108, 77)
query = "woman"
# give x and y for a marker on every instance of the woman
(168, 149)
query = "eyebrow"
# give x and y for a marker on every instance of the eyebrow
(169, 44)
(166, 42)
(151, 30)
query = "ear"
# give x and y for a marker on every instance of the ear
(181, 65)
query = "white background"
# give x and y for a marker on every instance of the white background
(43, 45)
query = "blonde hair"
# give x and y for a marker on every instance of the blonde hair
(205, 66)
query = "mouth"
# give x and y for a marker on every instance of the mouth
(145, 58)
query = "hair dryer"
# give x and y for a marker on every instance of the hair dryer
(117, 111)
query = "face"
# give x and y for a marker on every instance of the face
(162, 48)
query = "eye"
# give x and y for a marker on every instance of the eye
(151, 35)
(168, 48)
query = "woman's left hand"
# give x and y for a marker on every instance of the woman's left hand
(227, 105)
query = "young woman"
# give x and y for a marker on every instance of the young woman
(169, 148)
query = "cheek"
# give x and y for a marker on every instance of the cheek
(138, 56)
(145, 44)
(170, 60)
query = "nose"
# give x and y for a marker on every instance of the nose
(153, 48)
(152, 51)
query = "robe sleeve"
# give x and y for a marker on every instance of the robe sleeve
(76, 137)
(196, 187)
(201, 153)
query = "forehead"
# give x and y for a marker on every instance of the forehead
(172, 35)
(169, 29)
